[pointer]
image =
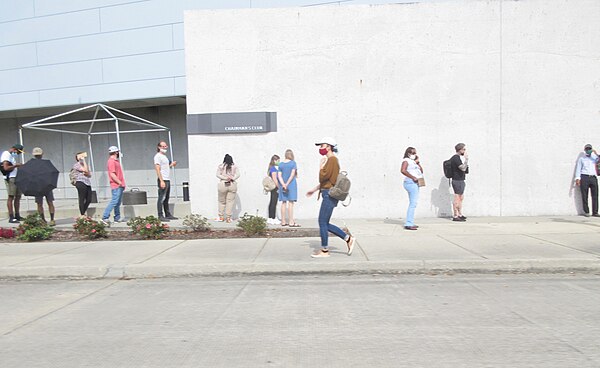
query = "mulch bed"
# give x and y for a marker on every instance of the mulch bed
(120, 235)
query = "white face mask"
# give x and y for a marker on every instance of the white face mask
(163, 150)
(412, 157)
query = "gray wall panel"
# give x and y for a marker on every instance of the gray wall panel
(15, 101)
(49, 7)
(158, 12)
(52, 76)
(151, 66)
(18, 56)
(108, 92)
(180, 86)
(13, 10)
(106, 45)
(47, 28)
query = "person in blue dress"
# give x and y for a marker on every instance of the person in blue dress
(288, 189)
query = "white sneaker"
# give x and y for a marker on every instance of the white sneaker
(276, 222)
(270, 221)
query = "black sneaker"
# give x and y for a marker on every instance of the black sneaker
(171, 217)
(19, 218)
(458, 219)
(462, 217)
(163, 219)
(595, 215)
(13, 220)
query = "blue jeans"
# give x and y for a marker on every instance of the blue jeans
(327, 206)
(413, 197)
(115, 202)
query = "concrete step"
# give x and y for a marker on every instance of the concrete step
(69, 208)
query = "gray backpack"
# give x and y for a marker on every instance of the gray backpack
(341, 189)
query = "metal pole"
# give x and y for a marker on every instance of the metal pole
(119, 143)
(174, 175)
(23, 160)
(93, 167)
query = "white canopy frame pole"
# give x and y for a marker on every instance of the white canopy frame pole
(174, 170)
(23, 161)
(92, 151)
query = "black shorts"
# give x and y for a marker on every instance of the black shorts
(458, 186)
(40, 199)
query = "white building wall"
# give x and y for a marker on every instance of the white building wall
(515, 81)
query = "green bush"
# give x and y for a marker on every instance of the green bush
(33, 228)
(148, 227)
(196, 222)
(252, 225)
(89, 228)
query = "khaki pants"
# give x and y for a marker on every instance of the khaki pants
(226, 198)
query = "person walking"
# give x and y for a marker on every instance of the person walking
(460, 168)
(117, 185)
(163, 166)
(586, 179)
(288, 188)
(37, 153)
(412, 171)
(272, 172)
(328, 173)
(9, 171)
(83, 183)
(228, 173)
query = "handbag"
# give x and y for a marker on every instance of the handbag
(268, 184)
(421, 182)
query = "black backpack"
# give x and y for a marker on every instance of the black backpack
(448, 168)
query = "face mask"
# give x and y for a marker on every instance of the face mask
(163, 150)
(588, 152)
(14, 154)
(276, 163)
(323, 151)
(412, 157)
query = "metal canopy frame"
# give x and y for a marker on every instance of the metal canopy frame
(56, 123)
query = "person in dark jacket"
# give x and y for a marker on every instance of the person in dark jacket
(460, 168)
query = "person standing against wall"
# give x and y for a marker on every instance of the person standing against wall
(10, 165)
(412, 171)
(586, 179)
(117, 185)
(37, 153)
(228, 173)
(288, 188)
(273, 171)
(328, 173)
(83, 182)
(163, 166)
(460, 168)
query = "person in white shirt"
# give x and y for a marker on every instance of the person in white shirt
(163, 166)
(586, 180)
(9, 172)
(412, 171)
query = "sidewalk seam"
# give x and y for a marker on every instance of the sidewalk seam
(159, 253)
(50, 255)
(563, 245)
(461, 247)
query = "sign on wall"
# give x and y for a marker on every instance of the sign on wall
(232, 123)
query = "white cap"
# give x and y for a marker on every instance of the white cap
(327, 140)
(37, 151)
(112, 149)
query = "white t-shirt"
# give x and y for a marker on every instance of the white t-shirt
(413, 169)
(163, 161)
(6, 156)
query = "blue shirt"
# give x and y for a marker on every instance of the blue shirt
(586, 165)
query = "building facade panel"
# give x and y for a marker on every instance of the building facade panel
(51, 7)
(142, 67)
(50, 27)
(18, 56)
(13, 10)
(106, 45)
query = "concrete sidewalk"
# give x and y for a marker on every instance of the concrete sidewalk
(480, 245)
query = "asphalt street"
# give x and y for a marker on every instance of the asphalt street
(303, 321)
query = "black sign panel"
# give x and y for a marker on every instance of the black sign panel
(232, 123)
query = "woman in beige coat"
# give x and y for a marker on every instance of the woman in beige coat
(228, 174)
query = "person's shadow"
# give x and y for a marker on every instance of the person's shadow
(441, 199)
(574, 191)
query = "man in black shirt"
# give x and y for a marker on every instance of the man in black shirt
(460, 168)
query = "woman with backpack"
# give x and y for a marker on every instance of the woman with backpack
(80, 177)
(272, 172)
(328, 173)
(412, 171)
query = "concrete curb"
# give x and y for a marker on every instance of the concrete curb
(136, 271)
